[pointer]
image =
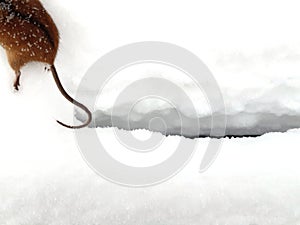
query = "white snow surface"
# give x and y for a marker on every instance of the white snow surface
(255, 59)
(257, 69)
(250, 111)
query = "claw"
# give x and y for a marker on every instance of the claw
(16, 87)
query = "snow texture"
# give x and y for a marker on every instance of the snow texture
(252, 48)
(249, 112)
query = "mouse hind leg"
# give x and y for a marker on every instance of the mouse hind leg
(16, 63)
(17, 80)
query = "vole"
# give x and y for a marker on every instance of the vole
(29, 34)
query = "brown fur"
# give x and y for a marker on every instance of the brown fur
(28, 34)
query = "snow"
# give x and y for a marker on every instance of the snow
(43, 178)
(253, 181)
(251, 111)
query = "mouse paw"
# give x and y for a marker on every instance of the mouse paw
(16, 86)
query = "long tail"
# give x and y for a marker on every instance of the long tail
(70, 99)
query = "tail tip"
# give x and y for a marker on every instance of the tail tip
(72, 127)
